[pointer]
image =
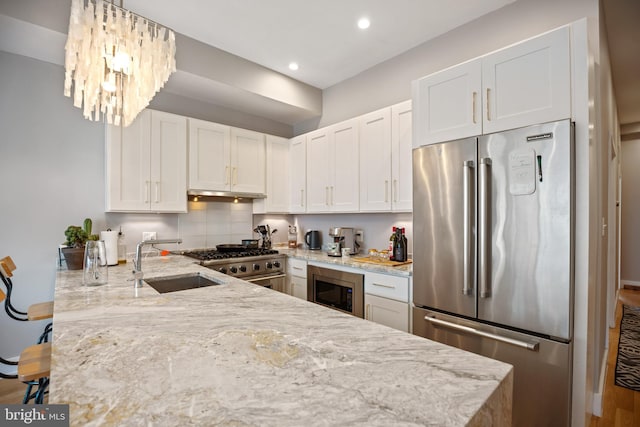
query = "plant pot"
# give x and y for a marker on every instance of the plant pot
(74, 257)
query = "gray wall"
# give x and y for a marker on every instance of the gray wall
(52, 174)
(630, 242)
(390, 82)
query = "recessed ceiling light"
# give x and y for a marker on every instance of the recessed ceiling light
(363, 23)
(293, 66)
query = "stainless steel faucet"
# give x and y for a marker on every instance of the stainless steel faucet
(137, 261)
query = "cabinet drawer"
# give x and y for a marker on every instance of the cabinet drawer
(297, 267)
(386, 286)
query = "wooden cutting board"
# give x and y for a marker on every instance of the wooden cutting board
(380, 261)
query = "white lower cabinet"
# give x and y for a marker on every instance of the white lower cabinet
(386, 300)
(297, 278)
(388, 312)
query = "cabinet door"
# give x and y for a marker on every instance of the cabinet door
(168, 162)
(298, 168)
(527, 83)
(128, 165)
(318, 171)
(248, 154)
(344, 181)
(387, 312)
(375, 161)
(277, 164)
(401, 161)
(446, 104)
(298, 287)
(209, 156)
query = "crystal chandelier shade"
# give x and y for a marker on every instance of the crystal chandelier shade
(115, 60)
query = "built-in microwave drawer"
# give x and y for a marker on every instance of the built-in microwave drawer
(387, 286)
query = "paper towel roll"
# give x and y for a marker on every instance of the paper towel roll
(111, 243)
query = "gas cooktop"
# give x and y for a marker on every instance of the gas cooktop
(213, 254)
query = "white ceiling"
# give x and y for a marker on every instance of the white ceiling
(321, 36)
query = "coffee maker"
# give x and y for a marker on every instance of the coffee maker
(343, 237)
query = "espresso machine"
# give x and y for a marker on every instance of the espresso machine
(343, 237)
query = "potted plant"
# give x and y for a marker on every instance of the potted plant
(76, 239)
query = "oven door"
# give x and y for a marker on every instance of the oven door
(336, 289)
(274, 281)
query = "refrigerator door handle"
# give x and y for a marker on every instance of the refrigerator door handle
(532, 346)
(467, 284)
(484, 223)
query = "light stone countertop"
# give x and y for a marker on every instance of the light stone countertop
(321, 256)
(242, 355)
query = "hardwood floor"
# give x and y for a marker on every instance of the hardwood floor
(621, 406)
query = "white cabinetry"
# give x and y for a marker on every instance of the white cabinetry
(277, 177)
(401, 157)
(332, 168)
(386, 300)
(298, 174)
(385, 159)
(222, 158)
(146, 164)
(520, 85)
(297, 278)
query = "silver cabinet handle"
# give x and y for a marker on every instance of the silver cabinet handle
(227, 177)
(488, 109)
(382, 285)
(366, 312)
(298, 268)
(386, 191)
(147, 191)
(473, 106)
(467, 252)
(326, 196)
(302, 197)
(157, 192)
(484, 224)
(235, 175)
(533, 346)
(331, 199)
(394, 190)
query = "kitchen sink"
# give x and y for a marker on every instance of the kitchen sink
(179, 283)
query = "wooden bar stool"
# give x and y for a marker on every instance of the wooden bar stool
(34, 368)
(38, 311)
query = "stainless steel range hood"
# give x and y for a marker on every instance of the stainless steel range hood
(222, 196)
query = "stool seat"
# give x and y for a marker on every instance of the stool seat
(41, 310)
(35, 362)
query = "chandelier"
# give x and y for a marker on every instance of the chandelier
(115, 60)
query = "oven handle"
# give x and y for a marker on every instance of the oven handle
(258, 279)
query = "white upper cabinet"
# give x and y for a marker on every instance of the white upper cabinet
(222, 158)
(375, 161)
(385, 159)
(401, 157)
(527, 83)
(209, 155)
(248, 153)
(278, 167)
(332, 168)
(146, 164)
(298, 174)
(520, 85)
(446, 105)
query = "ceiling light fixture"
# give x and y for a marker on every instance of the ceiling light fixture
(293, 66)
(115, 60)
(364, 23)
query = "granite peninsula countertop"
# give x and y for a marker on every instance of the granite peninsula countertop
(242, 355)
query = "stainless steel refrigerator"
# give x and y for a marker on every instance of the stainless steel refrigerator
(493, 257)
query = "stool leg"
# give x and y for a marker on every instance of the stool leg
(44, 337)
(43, 384)
(27, 393)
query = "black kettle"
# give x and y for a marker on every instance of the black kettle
(312, 239)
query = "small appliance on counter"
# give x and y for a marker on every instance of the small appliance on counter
(292, 237)
(313, 240)
(343, 237)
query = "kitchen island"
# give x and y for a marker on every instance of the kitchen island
(240, 354)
